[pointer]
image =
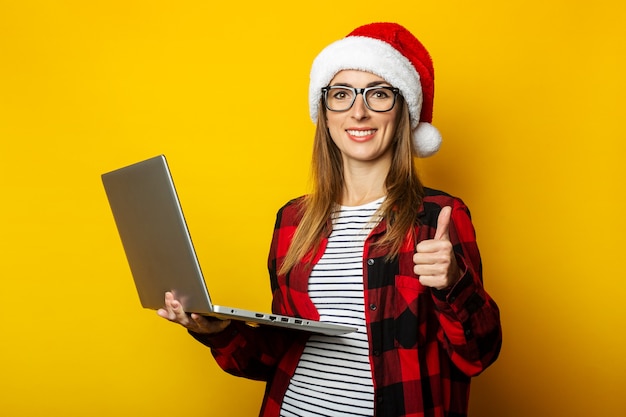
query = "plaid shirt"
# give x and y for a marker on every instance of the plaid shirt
(425, 344)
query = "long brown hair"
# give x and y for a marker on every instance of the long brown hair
(404, 191)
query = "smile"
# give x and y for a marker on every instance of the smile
(361, 133)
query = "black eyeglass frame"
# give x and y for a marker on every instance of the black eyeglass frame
(362, 91)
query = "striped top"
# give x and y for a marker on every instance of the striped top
(334, 376)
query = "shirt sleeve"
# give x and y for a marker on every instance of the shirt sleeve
(246, 351)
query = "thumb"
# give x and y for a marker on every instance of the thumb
(443, 224)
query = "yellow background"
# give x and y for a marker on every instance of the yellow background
(530, 102)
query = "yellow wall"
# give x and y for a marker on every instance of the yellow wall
(530, 101)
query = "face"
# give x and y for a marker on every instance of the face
(362, 135)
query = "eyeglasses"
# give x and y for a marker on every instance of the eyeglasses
(378, 99)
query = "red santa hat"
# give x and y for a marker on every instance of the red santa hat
(393, 53)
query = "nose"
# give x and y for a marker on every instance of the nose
(359, 109)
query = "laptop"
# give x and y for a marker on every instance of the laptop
(161, 255)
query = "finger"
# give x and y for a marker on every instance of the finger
(443, 224)
(180, 315)
(173, 310)
(170, 313)
(432, 246)
(431, 260)
(436, 282)
(425, 270)
(166, 311)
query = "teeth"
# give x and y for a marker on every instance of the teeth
(360, 132)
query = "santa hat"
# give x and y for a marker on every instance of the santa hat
(393, 53)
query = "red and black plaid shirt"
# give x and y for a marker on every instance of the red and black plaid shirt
(424, 344)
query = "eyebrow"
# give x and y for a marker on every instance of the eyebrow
(372, 84)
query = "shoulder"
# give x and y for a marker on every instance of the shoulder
(290, 213)
(434, 200)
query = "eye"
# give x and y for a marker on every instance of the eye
(340, 94)
(380, 94)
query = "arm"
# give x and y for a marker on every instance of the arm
(246, 351)
(469, 318)
(239, 349)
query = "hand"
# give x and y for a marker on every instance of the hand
(173, 311)
(435, 263)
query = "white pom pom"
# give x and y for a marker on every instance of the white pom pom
(427, 139)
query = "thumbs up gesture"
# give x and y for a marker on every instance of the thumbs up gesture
(435, 263)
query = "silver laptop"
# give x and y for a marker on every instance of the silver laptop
(160, 252)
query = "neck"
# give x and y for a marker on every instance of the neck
(363, 184)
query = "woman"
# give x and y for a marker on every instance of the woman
(370, 247)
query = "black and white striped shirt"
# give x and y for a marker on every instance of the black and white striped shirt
(334, 377)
